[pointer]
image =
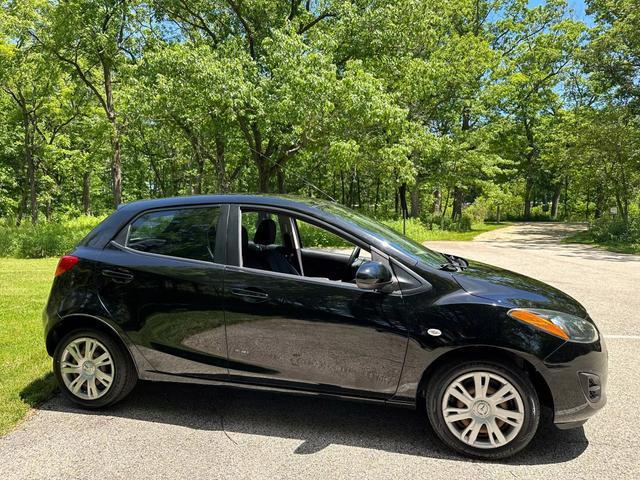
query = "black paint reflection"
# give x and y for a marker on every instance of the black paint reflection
(173, 304)
(316, 333)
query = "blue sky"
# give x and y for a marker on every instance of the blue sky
(578, 6)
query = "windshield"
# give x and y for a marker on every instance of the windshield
(388, 235)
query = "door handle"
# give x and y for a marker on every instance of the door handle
(254, 294)
(118, 276)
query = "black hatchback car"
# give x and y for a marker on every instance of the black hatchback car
(301, 295)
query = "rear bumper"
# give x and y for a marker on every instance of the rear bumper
(577, 377)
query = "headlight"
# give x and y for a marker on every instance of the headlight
(563, 325)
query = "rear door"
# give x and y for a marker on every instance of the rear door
(308, 332)
(162, 279)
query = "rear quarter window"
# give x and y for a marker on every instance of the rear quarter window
(185, 233)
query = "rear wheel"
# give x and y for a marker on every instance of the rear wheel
(92, 369)
(483, 409)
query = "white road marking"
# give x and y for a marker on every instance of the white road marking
(628, 337)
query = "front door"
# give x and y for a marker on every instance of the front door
(322, 333)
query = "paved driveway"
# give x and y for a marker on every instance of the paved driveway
(184, 431)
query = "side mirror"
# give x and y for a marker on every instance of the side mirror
(372, 275)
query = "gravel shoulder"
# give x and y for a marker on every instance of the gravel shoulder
(187, 431)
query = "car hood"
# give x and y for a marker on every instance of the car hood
(514, 290)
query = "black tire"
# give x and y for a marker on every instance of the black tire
(124, 373)
(441, 380)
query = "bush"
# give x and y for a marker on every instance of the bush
(464, 225)
(478, 211)
(615, 229)
(45, 239)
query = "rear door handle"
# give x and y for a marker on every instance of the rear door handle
(118, 276)
(250, 294)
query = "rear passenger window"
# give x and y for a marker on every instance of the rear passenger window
(185, 233)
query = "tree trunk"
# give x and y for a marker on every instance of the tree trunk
(280, 180)
(555, 201)
(402, 195)
(527, 199)
(116, 163)
(351, 191)
(444, 208)
(458, 199)
(396, 198)
(48, 210)
(263, 175)
(600, 203)
(437, 201)
(197, 185)
(86, 193)
(22, 206)
(415, 200)
(31, 169)
(586, 210)
(566, 197)
(223, 183)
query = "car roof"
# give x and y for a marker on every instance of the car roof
(317, 208)
(103, 233)
(284, 201)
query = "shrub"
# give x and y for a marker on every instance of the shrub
(45, 239)
(464, 225)
(478, 211)
(615, 229)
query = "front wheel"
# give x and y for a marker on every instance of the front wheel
(92, 369)
(483, 409)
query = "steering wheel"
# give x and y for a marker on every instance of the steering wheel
(352, 258)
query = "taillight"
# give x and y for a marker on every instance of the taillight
(65, 264)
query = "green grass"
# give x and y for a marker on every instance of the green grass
(587, 238)
(419, 232)
(476, 230)
(25, 367)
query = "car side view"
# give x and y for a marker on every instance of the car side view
(302, 295)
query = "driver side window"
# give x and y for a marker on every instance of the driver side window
(327, 255)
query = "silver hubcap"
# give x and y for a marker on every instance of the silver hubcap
(483, 409)
(87, 368)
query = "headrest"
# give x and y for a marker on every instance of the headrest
(265, 233)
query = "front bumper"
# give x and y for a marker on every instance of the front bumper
(576, 374)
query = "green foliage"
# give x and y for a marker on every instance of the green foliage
(616, 229)
(413, 228)
(46, 239)
(491, 109)
(612, 233)
(314, 237)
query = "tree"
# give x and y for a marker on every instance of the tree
(95, 39)
(538, 49)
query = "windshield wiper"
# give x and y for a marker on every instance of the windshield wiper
(454, 264)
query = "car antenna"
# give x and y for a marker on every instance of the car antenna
(304, 180)
(317, 188)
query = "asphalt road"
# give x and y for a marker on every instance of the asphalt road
(183, 431)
